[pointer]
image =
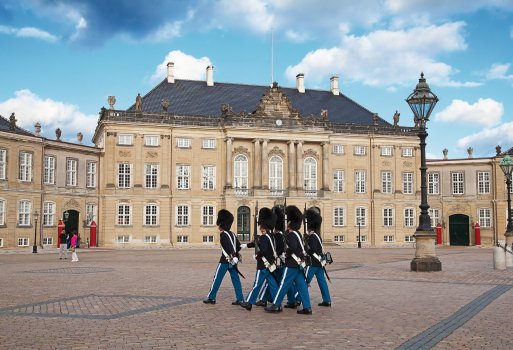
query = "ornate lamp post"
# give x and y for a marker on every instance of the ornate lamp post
(422, 102)
(36, 216)
(506, 165)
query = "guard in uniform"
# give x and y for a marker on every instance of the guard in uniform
(266, 259)
(294, 259)
(230, 247)
(316, 251)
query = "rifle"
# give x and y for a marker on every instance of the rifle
(323, 265)
(255, 228)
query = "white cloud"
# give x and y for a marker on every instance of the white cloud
(186, 67)
(30, 108)
(254, 14)
(485, 111)
(499, 71)
(167, 31)
(387, 57)
(488, 139)
(29, 32)
(444, 8)
(297, 37)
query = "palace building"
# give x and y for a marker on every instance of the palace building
(159, 171)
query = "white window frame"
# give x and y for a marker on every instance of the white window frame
(386, 151)
(276, 173)
(407, 183)
(151, 175)
(360, 181)
(49, 170)
(208, 239)
(183, 215)
(208, 144)
(123, 214)
(338, 148)
(71, 172)
(90, 213)
(483, 182)
(485, 217)
(47, 240)
(151, 214)
(386, 182)
(91, 174)
(151, 140)
(2, 211)
(208, 215)
(208, 180)
(23, 242)
(388, 217)
(360, 150)
(409, 238)
(240, 172)
(48, 214)
(124, 175)
(361, 238)
(150, 239)
(182, 239)
(434, 215)
(182, 142)
(409, 217)
(3, 164)
(183, 177)
(125, 139)
(434, 183)
(123, 239)
(407, 152)
(339, 238)
(458, 182)
(388, 238)
(25, 169)
(339, 181)
(24, 212)
(339, 216)
(310, 174)
(1, 242)
(360, 216)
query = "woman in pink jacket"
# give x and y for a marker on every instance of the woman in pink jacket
(74, 241)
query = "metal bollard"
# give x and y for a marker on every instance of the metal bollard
(87, 241)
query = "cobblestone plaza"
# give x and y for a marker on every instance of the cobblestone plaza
(151, 299)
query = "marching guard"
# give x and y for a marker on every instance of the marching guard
(316, 251)
(294, 261)
(230, 247)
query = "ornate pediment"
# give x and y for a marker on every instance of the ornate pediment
(275, 104)
(241, 150)
(310, 153)
(276, 151)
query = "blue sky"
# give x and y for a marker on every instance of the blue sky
(60, 60)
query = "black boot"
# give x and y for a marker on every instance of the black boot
(305, 311)
(324, 304)
(273, 308)
(290, 306)
(237, 302)
(246, 305)
(261, 303)
(209, 301)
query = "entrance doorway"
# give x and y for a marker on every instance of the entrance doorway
(459, 229)
(71, 220)
(243, 223)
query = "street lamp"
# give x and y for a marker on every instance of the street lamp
(359, 235)
(506, 165)
(422, 102)
(36, 216)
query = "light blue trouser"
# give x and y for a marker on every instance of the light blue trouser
(218, 278)
(318, 272)
(263, 279)
(293, 275)
(265, 295)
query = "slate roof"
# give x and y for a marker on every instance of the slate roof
(5, 126)
(190, 97)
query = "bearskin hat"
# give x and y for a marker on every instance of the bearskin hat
(313, 219)
(280, 218)
(266, 218)
(224, 219)
(294, 217)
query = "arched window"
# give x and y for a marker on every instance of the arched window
(243, 223)
(310, 174)
(240, 174)
(275, 173)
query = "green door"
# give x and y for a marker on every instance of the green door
(243, 223)
(459, 229)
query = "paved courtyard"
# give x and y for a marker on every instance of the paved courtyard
(151, 299)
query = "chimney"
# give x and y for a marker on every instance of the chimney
(170, 72)
(470, 150)
(37, 128)
(210, 76)
(334, 85)
(300, 83)
(445, 151)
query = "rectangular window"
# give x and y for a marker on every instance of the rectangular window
(3, 164)
(48, 214)
(388, 238)
(359, 150)
(24, 213)
(183, 143)
(182, 239)
(183, 173)
(151, 172)
(2, 212)
(1, 242)
(90, 213)
(23, 242)
(360, 181)
(409, 238)
(407, 152)
(124, 175)
(361, 216)
(434, 183)
(208, 179)
(483, 181)
(408, 183)
(71, 172)
(485, 217)
(150, 239)
(91, 174)
(338, 216)
(151, 140)
(386, 151)
(208, 239)
(182, 215)
(25, 166)
(388, 217)
(434, 214)
(207, 215)
(123, 238)
(125, 139)
(338, 149)
(338, 181)
(457, 183)
(409, 217)
(49, 170)
(361, 238)
(123, 215)
(386, 182)
(208, 144)
(151, 215)
(47, 240)
(339, 238)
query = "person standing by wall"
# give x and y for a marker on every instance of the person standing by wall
(74, 240)
(63, 248)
